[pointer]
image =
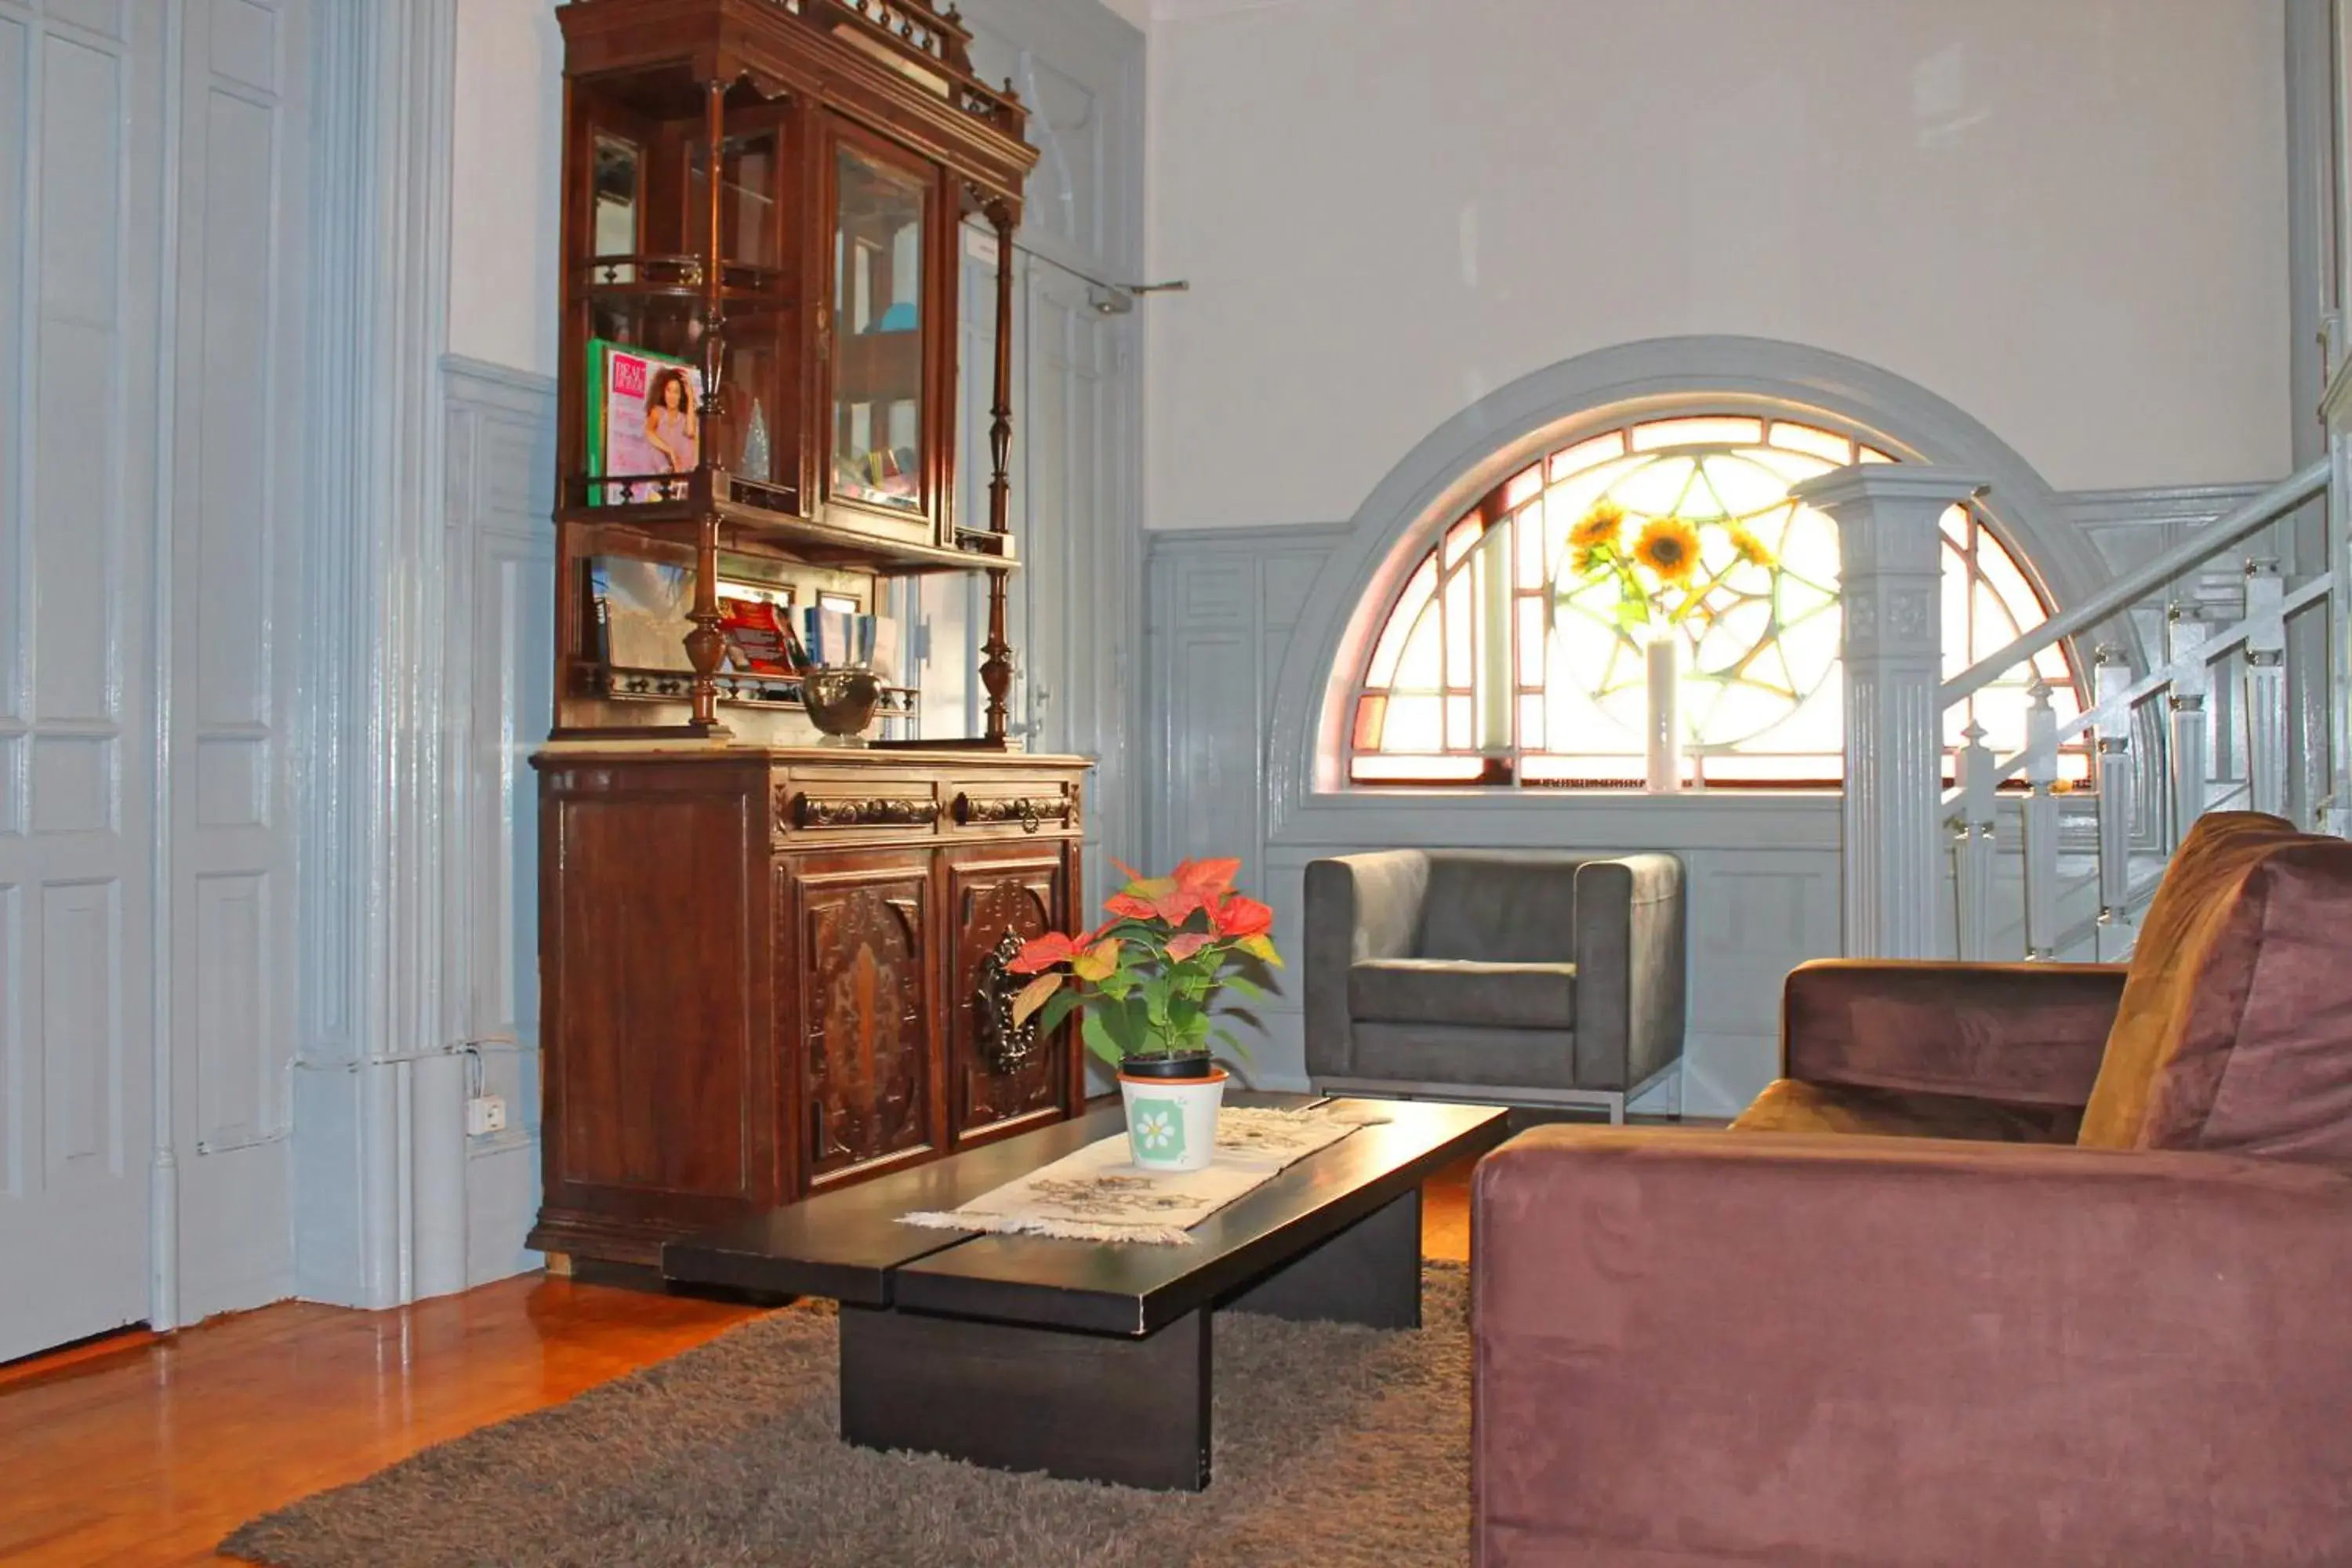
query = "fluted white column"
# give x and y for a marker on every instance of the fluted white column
(1889, 520)
(2336, 815)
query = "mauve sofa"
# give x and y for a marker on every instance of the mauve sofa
(1529, 976)
(2020, 1265)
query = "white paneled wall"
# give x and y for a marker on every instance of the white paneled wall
(500, 467)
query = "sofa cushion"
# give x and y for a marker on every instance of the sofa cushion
(1461, 991)
(1791, 1105)
(1499, 907)
(2235, 1028)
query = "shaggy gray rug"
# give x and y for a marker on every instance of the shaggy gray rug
(1335, 1445)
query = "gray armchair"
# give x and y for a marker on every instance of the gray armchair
(1543, 979)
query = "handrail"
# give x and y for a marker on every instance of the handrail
(2209, 651)
(2257, 514)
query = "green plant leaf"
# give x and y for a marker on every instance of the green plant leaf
(1096, 1032)
(1127, 1023)
(1057, 1008)
(1243, 985)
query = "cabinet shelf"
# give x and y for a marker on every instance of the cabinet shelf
(744, 689)
(670, 275)
(787, 535)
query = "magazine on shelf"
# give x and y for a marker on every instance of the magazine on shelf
(758, 637)
(645, 418)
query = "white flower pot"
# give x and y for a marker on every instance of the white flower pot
(1171, 1122)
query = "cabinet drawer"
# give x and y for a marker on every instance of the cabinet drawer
(1013, 806)
(835, 807)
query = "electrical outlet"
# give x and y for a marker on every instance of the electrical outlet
(485, 1114)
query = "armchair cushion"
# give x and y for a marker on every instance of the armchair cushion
(2025, 1034)
(1498, 907)
(1794, 1106)
(2235, 1026)
(1459, 1054)
(1461, 991)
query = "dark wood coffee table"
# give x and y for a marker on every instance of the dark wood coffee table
(1086, 1359)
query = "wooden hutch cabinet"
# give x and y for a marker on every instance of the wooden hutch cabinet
(768, 963)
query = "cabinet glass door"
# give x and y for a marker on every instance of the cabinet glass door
(879, 332)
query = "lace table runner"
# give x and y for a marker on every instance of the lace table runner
(1098, 1194)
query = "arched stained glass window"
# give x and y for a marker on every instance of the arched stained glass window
(1514, 654)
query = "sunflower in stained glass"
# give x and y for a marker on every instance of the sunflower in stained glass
(1668, 546)
(1747, 547)
(1602, 525)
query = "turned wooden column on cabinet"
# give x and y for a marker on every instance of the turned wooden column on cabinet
(767, 971)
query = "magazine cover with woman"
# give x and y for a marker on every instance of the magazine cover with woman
(644, 417)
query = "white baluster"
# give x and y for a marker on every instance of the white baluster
(1973, 849)
(2114, 799)
(2265, 687)
(2186, 631)
(2040, 823)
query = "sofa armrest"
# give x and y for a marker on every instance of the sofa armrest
(1715, 1347)
(2027, 1033)
(1630, 968)
(1358, 907)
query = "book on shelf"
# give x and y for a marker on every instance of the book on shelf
(645, 418)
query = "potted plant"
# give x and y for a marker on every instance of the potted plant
(1148, 979)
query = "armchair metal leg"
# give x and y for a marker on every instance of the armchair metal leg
(1610, 1100)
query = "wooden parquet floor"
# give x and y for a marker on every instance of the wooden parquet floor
(145, 1455)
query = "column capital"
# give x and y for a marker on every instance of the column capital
(1884, 485)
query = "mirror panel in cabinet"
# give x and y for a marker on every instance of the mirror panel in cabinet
(879, 331)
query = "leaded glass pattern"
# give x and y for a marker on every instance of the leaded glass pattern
(1504, 661)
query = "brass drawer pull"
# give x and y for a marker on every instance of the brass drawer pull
(1031, 813)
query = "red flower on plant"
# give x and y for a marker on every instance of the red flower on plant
(1044, 951)
(1207, 880)
(1184, 944)
(1174, 906)
(1236, 916)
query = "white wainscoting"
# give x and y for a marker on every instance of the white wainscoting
(1762, 868)
(500, 474)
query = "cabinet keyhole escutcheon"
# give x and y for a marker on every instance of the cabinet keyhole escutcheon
(1005, 1046)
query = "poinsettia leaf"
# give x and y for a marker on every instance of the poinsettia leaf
(1096, 962)
(1033, 995)
(1095, 1031)
(1128, 1025)
(1184, 944)
(1057, 1008)
(1243, 985)
(1260, 947)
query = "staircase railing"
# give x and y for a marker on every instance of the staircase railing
(2196, 739)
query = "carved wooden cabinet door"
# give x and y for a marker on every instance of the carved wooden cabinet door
(1002, 1076)
(856, 951)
